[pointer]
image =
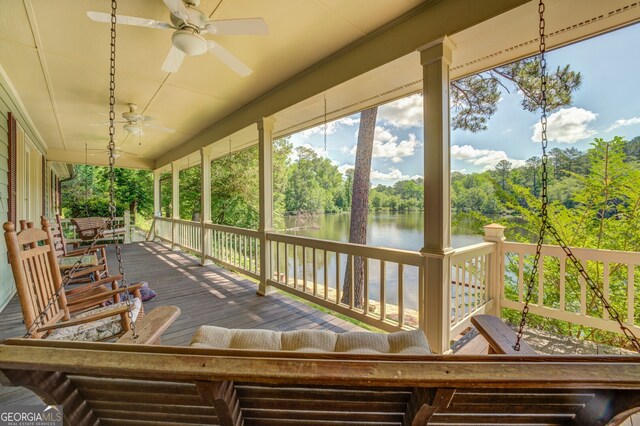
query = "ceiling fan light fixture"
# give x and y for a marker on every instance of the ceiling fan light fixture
(133, 129)
(189, 42)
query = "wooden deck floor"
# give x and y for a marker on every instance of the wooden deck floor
(206, 295)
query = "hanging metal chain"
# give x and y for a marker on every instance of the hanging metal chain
(325, 123)
(545, 225)
(112, 162)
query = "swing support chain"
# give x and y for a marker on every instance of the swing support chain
(546, 226)
(112, 161)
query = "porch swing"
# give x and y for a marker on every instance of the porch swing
(128, 383)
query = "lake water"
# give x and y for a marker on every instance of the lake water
(385, 229)
(392, 230)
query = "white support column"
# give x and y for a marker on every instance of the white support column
(435, 59)
(205, 203)
(175, 200)
(494, 233)
(156, 194)
(265, 162)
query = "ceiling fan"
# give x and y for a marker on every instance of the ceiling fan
(133, 122)
(190, 24)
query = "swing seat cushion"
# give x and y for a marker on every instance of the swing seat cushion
(401, 342)
(96, 330)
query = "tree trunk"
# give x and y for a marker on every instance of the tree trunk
(360, 206)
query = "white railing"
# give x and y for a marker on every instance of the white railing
(71, 233)
(470, 284)
(561, 293)
(315, 270)
(236, 248)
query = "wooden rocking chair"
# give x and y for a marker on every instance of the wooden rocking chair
(47, 307)
(84, 274)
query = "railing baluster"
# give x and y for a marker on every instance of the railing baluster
(277, 262)
(631, 293)
(286, 259)
(295, 268)
(304, 269)
(326, 275)
(605, 288)
(541, 282)
(400, 294)
(315, 274)
(365, 297)
(520, 275)
(352, 276)
(476, 285)
(337, 278)
(583, 295)
(383, 283)
(563, 264)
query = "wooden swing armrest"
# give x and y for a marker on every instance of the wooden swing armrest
(500, 336)
(102, 296)
(151, 327)
(90, 318)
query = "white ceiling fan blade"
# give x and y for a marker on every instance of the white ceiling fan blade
(174, 60)
(249, 26)
(177, 8)
(229, 59)
(163, 129)
(130, 20)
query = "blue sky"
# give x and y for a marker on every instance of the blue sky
(606, 105)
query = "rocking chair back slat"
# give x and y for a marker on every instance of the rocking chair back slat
(36, 274)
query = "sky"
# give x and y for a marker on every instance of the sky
(606, 105)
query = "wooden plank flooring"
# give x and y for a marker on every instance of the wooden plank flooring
(206, 295)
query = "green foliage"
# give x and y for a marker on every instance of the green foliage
(87, 192)
(474, 99)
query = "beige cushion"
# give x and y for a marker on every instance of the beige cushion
(309, 341)
(402, 342)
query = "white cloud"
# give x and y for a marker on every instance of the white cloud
(403, 113)
(386, 145)
(569, 125)
(487, 158)
(343, 169)
(394, 174)
(623, 123)
(414, 177)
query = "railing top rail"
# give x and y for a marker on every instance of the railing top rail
(233, 230)
(379, 253)
(581, 253)
(479, 248)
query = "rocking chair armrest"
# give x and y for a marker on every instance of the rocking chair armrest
(90, 318)
(108, 280)
(150, 328)
(87, 271)
(83, 251)
(103, 296)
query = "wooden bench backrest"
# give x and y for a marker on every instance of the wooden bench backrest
(88, 227)
(36, 273)
(123, 383)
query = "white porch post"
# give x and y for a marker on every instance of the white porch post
(175, 200)
(205, 203)
(495, 233)
(156, 193)
(265, 162)
(435, 59)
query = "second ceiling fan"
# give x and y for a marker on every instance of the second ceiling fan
(190, 24)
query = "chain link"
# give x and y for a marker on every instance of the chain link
(545, 225)
(112, 162)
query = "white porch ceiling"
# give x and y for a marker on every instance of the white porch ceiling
(57, 60)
